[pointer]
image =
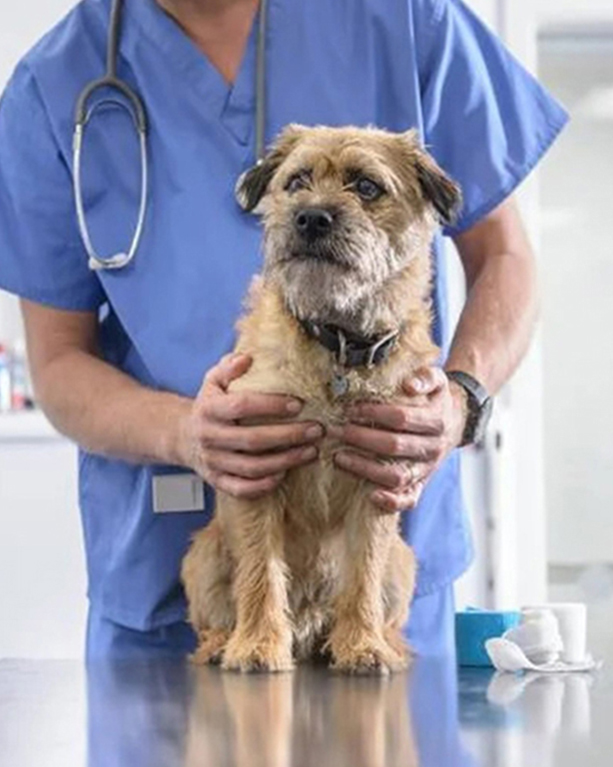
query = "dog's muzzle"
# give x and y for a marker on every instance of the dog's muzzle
(312, 224)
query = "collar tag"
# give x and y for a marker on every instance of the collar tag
(339, 385)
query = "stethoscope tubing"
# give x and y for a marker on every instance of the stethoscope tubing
(119, 260)
(110, 81)
(83, 115)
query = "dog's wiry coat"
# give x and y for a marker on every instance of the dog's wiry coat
(314, 567)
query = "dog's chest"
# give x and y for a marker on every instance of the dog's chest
(330, 391)
(319, 496)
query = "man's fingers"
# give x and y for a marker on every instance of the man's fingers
(390, 503)
(244, 405)
(391, 475)
(261, 439)
(258, 467)
(229, 368)
(410, 420)
(426, 381)
(246, 488)
(389, 444)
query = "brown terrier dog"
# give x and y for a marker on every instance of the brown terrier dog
(341, 313)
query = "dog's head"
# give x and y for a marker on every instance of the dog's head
(345, 210)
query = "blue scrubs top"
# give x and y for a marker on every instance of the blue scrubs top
(166, 319)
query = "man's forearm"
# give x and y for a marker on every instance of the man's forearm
(498, 319)
(107, 412)
(496, 325)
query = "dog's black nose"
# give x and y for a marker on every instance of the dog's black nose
(313, 223)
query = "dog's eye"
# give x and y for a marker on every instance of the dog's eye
(298, 181)
(364, 186)
(368, 189)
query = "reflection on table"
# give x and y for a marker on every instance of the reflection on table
(164, 713)
(155, 713)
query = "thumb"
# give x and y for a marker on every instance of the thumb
(228, 369)
(425, 381)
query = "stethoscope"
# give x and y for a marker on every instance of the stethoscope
(136, 109)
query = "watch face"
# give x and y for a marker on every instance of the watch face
(482, 421)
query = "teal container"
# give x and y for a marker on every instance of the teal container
(472, 630)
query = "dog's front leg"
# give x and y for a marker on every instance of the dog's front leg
(262, 638)
(357, 641)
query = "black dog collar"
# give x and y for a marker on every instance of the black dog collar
(350, 349)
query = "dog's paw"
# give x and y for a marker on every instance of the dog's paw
(399, 646)
(211, 646)
(253, 656)
(375, 658)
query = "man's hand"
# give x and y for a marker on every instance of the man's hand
(245, 461)
(413, 436)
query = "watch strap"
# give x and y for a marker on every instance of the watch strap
(472, 386)
(478, 403)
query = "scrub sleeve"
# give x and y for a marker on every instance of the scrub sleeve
(41, 253)
(486, 119)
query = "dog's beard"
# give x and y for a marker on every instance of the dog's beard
(335, 282)
(321, 291)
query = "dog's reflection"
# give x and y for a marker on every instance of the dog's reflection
(169, 714)
(308, 718)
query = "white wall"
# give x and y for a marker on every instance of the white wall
(577, 310)
(42, 570)
(577, 306)
(573, 11)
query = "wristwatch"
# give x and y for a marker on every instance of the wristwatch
(479, 405)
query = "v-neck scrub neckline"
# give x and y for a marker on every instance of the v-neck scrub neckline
(232, 103)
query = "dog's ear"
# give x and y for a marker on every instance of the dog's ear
(437, 188)
(253, 184)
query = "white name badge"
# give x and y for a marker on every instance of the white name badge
(174, 493)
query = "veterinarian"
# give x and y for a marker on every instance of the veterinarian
(130, 362)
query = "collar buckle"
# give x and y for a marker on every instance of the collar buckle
(342, 348)
(372, 351)
(352, 351)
